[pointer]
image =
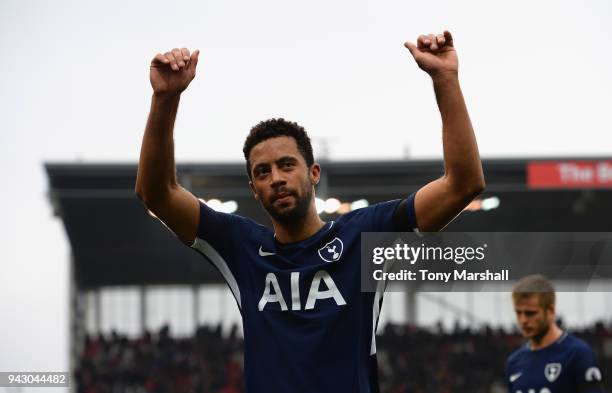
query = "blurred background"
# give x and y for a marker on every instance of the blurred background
(75, 96)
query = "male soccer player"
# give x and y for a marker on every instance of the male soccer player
(307, 326)
(552, 361)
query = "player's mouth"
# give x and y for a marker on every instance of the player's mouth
(282, 197)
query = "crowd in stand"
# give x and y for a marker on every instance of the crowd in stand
(411, 360)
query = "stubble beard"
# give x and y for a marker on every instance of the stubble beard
(295, 215)
(541, 332)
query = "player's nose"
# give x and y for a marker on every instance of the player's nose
(276, 178)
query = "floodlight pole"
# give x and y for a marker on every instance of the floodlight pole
(97, 311)
(142, 293)
(195, 288)
(323, 159)
(411, 307)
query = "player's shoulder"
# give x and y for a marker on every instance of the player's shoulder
(213, 219)
(577, 344)
(253, 228)
(366, 212)
(517, 354)
(584, 363)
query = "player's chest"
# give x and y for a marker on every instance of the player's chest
(550, 376)
(338, 251)
(323, 276)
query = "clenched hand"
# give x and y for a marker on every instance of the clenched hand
(172, 71)
(435, 54)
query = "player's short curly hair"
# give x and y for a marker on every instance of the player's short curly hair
(534, 284)
(273, 128)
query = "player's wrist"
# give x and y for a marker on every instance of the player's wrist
(166, 97)
(443, 77)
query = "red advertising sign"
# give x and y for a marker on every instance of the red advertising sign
(569, 174)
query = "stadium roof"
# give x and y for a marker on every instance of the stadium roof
(115, 241)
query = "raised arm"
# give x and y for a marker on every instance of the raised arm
(440, 201)
(156, 183)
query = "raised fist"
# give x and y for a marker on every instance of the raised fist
(172, 71)
(435, 54)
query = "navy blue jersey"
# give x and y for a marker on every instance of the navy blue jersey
(308, 328)
(566, 366)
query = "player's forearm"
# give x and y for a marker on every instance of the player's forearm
(156, 168)
(463, 169)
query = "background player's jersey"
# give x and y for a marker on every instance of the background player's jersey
(308, 328)
(566, 366)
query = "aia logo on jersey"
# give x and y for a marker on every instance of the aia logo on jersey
(552, 371)
(332, 251)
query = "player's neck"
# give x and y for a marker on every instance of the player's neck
(551, 336)
(300, 230)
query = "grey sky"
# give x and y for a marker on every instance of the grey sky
(75, 87)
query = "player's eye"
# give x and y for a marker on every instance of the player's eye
(261, 172)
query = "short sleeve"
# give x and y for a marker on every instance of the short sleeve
(586, 372)
(216, 241)
(214, 227)
(395, 216)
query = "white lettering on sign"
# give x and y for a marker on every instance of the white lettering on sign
(572, 173)
(604, 172)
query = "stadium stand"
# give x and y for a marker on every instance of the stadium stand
(411, 359)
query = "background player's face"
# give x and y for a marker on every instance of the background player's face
(533, 319)
(281, 180)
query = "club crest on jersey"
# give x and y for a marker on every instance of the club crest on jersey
(332, 251)
(552, 371)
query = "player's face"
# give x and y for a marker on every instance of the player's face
(533, 319)
(281, 180)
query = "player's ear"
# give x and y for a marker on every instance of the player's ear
(255, 194)
(315, 174)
